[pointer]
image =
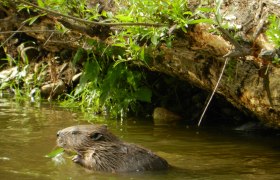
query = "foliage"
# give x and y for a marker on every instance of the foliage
(55, 153)
(5, 3)
(273, 31)
(109, 81)
(115, 90)
(22, 82)
(273, 34)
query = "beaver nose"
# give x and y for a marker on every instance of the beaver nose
(58, 133)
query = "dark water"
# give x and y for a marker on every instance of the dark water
(28, 133)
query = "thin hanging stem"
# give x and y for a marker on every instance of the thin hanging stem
(48, 39)
(214, 90)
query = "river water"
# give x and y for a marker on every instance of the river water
(28, 133)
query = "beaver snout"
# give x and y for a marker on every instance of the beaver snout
(61, 139)
(58, 133)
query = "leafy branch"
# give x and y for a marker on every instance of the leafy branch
(87, 21)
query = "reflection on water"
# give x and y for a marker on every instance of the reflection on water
(28, 133)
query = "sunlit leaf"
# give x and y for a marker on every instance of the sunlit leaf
(273, 32)
(33, 19)
(188, 13)
(196, 21)
(142, 54)
(124, 18)
(55, 153)
(78, 56)
(205, 9)
(40, 3)
(154, 39)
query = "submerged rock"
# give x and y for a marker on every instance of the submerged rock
(250, 126)
(162, 115)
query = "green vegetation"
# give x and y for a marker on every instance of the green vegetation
(19, 79)
(55, 153)
(273, 33)
(109, 88)
(111, 80)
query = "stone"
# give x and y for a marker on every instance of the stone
(162, 115)
(53, 89)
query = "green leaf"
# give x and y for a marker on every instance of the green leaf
(79, 89)
(124, 18)
(205, 9)
(33, 19)
(131, 79)
(4, 85)
(196, 21)
(142, 54)
(188, 13)
(21, 7)
(91, 72)
(273, 32)
(154, 39)
(218, 14)
(111, 82)
(54, 153)
(40, 3)
(120, 60)
(78, 56)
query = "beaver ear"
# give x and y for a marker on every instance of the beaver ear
(96, 136)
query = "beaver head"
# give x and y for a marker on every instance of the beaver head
(83, 137)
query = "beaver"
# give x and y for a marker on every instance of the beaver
(99, 150)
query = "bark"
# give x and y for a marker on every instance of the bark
(250, 83)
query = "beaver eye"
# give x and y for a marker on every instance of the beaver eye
(96, 136)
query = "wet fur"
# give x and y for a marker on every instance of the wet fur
(99, 150)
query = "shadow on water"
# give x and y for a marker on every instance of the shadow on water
(28, 133)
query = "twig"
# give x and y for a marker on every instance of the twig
(214, 91)
(226, 35)
(87, 21)
(239, 51)
(48, 39)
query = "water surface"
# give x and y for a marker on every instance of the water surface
(28, 133)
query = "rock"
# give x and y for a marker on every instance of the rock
(162, 115)
(249, 126)
(8, 74)
(53, 89)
